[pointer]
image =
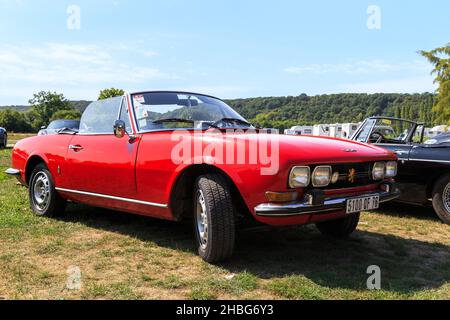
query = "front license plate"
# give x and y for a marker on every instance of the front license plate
(363, 204)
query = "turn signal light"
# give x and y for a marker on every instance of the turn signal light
(281, 196)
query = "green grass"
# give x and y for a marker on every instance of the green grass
(131, 257)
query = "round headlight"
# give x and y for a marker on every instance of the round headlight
(378, 172)
(299, 177)
(321, 176)
(391, 169)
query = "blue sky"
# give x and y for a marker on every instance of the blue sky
(226, 48)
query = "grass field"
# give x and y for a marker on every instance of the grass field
(129, 257)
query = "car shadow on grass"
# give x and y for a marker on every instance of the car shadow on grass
(398, 209)
(406, 265)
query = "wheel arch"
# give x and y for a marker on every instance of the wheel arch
(32, 162)
(432, 181)
(181, 196)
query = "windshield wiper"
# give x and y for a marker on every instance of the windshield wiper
(232, 120)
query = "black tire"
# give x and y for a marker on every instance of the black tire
(340, 228)
(42, 188)
(441, 198)
(217, 243)
(4, 142)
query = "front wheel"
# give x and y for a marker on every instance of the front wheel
(441, 198)
(44, 200)
(340, 228)
(213, 218)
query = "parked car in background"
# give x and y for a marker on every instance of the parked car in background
(133, 154)
(424, 167)
(55, 126)
(3, 138)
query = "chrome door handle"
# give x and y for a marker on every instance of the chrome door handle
(76, 148)
(400, 152)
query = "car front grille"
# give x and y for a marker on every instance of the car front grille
(351, 175)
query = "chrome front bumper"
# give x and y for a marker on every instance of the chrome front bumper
(330, 205)
(13, 172)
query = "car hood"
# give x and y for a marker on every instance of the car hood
(324, 150)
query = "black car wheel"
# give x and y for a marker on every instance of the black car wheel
(340, 228)
(213, 218)
(44, 200)
(441, 198)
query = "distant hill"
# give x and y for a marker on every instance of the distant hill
(77, 104)
(286, 112)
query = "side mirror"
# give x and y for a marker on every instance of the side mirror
(119, 129)
(43, 127)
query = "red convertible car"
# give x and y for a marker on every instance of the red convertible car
(175, 155)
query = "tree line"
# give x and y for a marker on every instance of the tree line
(286, 112)
(45, 107)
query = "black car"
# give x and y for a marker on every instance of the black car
(55, 126)
(3, 138)
(424, 166)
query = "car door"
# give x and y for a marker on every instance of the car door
(97, 161)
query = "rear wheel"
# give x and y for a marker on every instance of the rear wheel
(213, 218)
(441, 198)
(340, 228)
(44, 200)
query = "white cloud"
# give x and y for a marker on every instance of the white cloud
(71, 65)
(359, 67)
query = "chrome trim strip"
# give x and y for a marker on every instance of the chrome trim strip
(164, 206)
(12, 172)
(425, 160)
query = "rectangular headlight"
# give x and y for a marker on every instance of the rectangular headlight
(391, 169)
(299, 177)
(378, 172)
(321, 176)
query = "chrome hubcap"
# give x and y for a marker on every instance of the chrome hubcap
(41, 190)
(202, 219)
(446, 197)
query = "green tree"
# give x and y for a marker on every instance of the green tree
(440, 58)
(14, 121)
(110, 93)
(66, 115)
(44, 105)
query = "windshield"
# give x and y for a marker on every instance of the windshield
(172, 110)
(60, 124)
(385, 131)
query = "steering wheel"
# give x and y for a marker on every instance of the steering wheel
(376, 137)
